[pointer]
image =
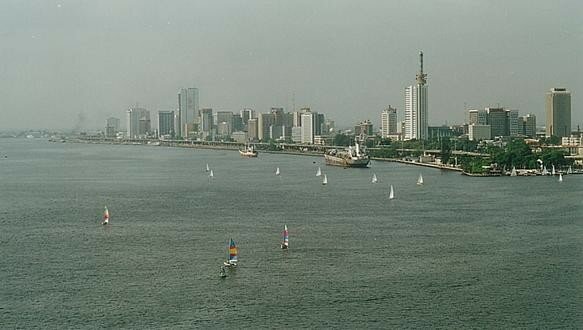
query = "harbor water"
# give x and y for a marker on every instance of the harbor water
(455, 252)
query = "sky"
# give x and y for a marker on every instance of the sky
(66, 64)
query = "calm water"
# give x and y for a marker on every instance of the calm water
(456, 252)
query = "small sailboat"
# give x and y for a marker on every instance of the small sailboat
(207, 168)
(222, 272)
(211, 174)
(570, 170)
(545, 172)
(105, 220)
(553, 172)
(391, 193)
(513, 173)
(232, 255)
(560, 177)
(374, 178)
(319, 172)
(285, 243)
(420, 180)
(325, 180)
(277, 171)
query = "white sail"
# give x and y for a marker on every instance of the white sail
(207, 167)
(420, 179)
(277, 171)
(374, 178)
(513, 173)
(560, 177)
(325, 180)
(545, 172)
(570, 170)
(211, 174)
(319, 172)
(553, 171)
(391, 193)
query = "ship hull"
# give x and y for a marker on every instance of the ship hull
(248, 154)
(345, 162)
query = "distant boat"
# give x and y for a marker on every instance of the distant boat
(570, 170)
(319, 172)
(391, 193)
(222, 272)
(560, 177)
(513, 173)
(285, 243)
(211, 174)
(105, 220)
(374, 178)
(207, 167)
(277, 171)
(420, 180)
(232, 255)
(545, 172)
(325, 180)
(248, 151)
(553, 171)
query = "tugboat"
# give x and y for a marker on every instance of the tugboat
(248, 152)
(350, 157)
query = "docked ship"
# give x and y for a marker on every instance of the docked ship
(353, 156)
(248, 151)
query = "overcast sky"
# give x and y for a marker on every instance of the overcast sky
(65, 60)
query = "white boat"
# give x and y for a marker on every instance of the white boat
(207, 167)
(553, 172)
(560, 177)
(513, 173)
(277, 171)
(391, 193)
(105, 220)
(211, 174)
(420, 180)
(374, 178)
(285, 242)
(325, 180)
(319, 172)
(232, 254)
(545, 172)
(249, 151)
(570, 170)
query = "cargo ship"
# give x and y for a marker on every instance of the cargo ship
(353, 156)
(248, 152)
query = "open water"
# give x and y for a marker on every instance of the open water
(457, 252)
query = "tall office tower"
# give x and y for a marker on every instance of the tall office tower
(188, 111)
(498, 121)
(528, 125)
(416, 121)
(111, 127)
(166, 123)
(246, 114)
(363, 128)
(512, 119)
(558, 108)
(478, 117)
(264, 120)
(138, 122)
(278, 116)
(388, 122)
(319, 120)
(237, 122)
(252, 125)
(206, 120)
(225, 117)
(307, 128)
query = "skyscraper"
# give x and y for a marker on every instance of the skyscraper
(498, 121)
(307, 129)
(188, 111)
(558, 108)
(112, 127)
(138, 122)
(416, 121)
(166, 123)
(388, 122)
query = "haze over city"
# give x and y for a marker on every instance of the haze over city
(68, 63)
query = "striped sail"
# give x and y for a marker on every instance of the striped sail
(105, 216)
(285, 236)
(232, 252)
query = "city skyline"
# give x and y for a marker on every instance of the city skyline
(90, 61)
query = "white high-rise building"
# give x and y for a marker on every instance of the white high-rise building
(416, 120)
(307, 129)
(188, 111)
(388, 122)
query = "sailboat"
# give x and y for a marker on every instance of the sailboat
(285, 243)
(560, 177)
(207, 167)
(232, 255)
(420, 180)
(570, 170)
(553, 171)
(319, 172)
(545, 172)
(277, 171)
(105, 220)
(513, 173)
(391, 193)
(325, 180)
(374, 178)
(211, 174)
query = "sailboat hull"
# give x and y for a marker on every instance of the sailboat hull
(284, 247)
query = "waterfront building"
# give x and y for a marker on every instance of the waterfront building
(479, 117)
(112, 127)
(479, 132)
(246, 114)
(237, 122)
(558, 111)
(223, 129)
(188, 110)
(497, 119)
(388, 122)
(440, 132)
(416, 116)
(528, 125)
(296, 134)
(138, 122)
(307, 129)
(166, 123)
(225, 117)
(206, 122)
(252, 128)
(329, 127)
(239, 137)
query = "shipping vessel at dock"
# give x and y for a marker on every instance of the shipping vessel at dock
(353, 156)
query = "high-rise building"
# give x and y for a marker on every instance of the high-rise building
(166, 123)
(188, 111)
(528, 125)
(307, 128)
(363, 128)
(252, 125)
(512, 118)
(111, 127)
(558, 109)
(206, 120)
(225, 117)
(478, 117)
(138, 122)
(264, 121)
(388, 122)
(416, 120)
(498, 121)
(246, 114)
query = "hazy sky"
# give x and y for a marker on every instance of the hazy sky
(62, 60)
